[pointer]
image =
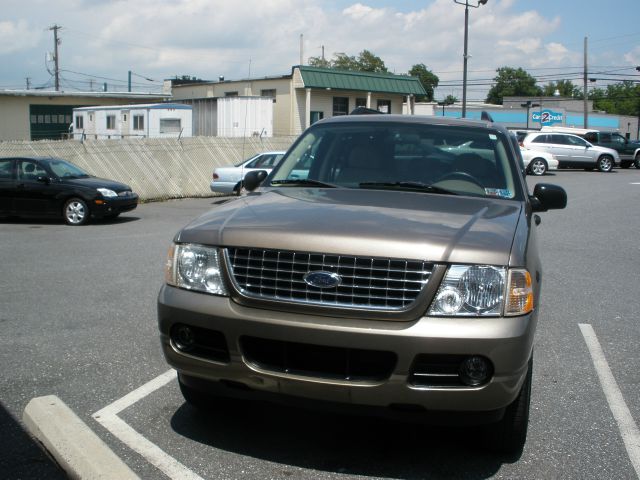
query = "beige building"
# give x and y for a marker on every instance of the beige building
(38, 115)
(305, 96)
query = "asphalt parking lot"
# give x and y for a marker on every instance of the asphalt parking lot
(77, 316)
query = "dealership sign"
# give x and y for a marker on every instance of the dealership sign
(547, 117)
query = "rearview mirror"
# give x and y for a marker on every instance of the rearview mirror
(548, 197)
(254, 178)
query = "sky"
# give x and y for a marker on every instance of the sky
(100, 41)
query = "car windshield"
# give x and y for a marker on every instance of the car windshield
(66, 170)
(427, 158)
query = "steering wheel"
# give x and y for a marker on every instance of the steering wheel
(464, 176)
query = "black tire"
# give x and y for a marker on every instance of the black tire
(76, 212)
(538, 167)
(510, 434)
(605, 163)
(636, 162)
(239, 189)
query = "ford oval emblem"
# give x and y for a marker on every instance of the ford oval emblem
(322, 279)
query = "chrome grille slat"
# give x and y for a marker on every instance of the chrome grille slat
(378, 283)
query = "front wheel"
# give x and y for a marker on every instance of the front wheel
(538, 166)
(510, 434)
(637, 161)
(76, 212)
(605, 163)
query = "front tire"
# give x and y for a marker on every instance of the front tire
(637, 161)
(76, 212)
(510, 434)
(538, 166)
(605, 163)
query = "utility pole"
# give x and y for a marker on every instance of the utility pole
(55, 29)
(586, 93)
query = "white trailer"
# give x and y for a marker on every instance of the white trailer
(157, 120)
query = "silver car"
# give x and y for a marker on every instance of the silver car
(372, 270)
(228, 180)
(573, 151)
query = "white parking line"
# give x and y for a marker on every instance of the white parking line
(108, 418)
(626, 425)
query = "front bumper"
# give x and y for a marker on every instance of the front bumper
(105, 207)
(507, 342)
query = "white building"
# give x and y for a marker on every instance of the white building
(156, 120)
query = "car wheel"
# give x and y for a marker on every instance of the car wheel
(637, 161)
(538, 166)
(605, 163)
(75, 212)
(239, 189)
(510, 434)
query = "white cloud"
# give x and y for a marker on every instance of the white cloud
(17, 36)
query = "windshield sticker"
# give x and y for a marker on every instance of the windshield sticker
(493, 136)
(498, 192)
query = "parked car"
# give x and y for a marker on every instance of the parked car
(628, 150)
(52, 187)
(573, 151)
(370, 270)
(537, 162)
(228, 180)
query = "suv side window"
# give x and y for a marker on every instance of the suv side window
(576, 141)
(558, 139)
(6, 168)
(541, 139)
(605, 137)
(592, 137)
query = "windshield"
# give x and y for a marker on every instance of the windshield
(66, 170)
(402, 156)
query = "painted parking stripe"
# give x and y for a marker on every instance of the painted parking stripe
(108, 418)
(626, 425)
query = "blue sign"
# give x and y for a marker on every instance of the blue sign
(547, 117)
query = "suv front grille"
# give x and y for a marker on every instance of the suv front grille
(365, 282)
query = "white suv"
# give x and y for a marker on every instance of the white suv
(573, 151)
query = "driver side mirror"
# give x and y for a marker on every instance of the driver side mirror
(254, 178)
(43, 179)
(548, 197)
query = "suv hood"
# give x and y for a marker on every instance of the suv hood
(376, 223)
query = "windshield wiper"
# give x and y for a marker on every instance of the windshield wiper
(415, 186)
(301, 182)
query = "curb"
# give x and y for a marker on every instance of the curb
(73, 445)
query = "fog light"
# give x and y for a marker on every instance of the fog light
(475, 371)
(183, 338)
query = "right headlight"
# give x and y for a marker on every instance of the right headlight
(195, 267)
(483, 290)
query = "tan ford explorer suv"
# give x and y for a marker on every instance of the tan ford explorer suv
(378, 268)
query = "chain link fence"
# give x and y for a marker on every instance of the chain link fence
(155, 168)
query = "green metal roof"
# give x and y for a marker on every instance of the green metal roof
(314, 77)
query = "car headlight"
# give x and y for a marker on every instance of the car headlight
(106, 192)
(483, 290)
(195, 267)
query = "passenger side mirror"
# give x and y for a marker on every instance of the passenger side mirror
(254, 178)
(43, 179)
(548, 197)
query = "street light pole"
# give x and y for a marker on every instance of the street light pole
(465, 55)
(529, 105)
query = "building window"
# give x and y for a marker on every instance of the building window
(340, 106)
(384, 106)
(111, 122)
(361, 102)
(315, 116)
(79, 122)
(170, 125)
(138, 122)
(230, 94)
(269, 92)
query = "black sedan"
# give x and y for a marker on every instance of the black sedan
(52, 187)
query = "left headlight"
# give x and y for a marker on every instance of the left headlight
(195, 267)
(483, 290)
(107, 192)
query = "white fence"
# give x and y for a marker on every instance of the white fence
(155, 168)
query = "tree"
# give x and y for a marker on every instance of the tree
(565, 87)
(619, 98)
(450, 100)
(512, 82)
(428, 79)
(365, 62)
